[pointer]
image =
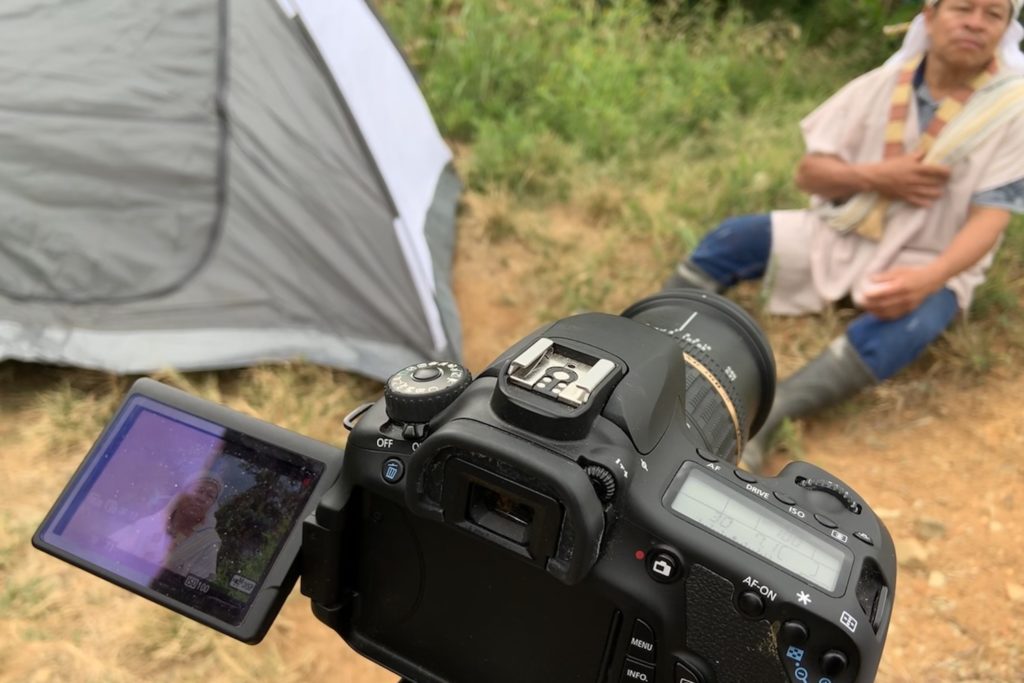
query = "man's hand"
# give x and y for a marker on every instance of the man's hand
(908, 178)
(898, 291)
(905, 177)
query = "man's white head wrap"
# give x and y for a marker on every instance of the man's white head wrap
(210, 520)
(213, 478)
(916, 40)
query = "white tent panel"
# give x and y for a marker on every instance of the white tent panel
(286, 7)
(387, 104)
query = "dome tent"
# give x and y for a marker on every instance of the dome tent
(204, 184)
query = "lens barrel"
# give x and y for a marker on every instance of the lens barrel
(730, 369)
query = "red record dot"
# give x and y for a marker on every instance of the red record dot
(639, 554)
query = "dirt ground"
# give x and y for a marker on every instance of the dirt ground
(939, 459)
(946, 479)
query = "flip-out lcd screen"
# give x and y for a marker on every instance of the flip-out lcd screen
(177, 505)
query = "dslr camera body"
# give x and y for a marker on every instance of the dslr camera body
(572, 514)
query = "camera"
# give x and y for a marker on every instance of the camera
(571, 514)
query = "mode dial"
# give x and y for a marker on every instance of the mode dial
(419, 392)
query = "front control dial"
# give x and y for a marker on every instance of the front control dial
(831, 488)
(417, 393)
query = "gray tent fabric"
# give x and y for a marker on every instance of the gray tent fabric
(77, 123)
(441, 238)
(183, 184)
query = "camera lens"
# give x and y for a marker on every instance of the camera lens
(730, 370)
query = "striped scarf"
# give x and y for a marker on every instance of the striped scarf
(964, 120)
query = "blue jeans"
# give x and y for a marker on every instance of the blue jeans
(738, 249)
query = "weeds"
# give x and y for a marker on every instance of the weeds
(657, 120)
(71, 416)
(23, 595)
(543, 87)
(598, 146)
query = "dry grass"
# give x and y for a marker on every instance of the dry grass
(517, 267)
(607, 238)
(60, 624)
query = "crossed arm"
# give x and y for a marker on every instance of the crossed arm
(905, 177)
(900, 290)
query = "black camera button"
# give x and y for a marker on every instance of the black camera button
(783, 498)
(833, 663)
(637, 672)
(426, 374)
(794, 633)
(863, 537)
(641, 643)
(706, 456)
(745, 476)
(392, 470)
(663, 566)
(825, 521)
(750, 603)
(881, 602)
(685, 674)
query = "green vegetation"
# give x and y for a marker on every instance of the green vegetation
(543, 87)
(687, 108)
(598, 140)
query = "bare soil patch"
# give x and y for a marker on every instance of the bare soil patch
(939, 457)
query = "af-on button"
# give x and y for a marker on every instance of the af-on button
(750, 603)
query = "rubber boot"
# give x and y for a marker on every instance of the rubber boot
(835, 375)
(689, 275)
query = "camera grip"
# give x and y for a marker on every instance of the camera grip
(738, 648)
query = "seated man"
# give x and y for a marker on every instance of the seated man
(914, 169)
(182, 535)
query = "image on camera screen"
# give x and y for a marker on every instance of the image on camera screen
(183, 507)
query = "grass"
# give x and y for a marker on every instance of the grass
(598, 146)
(57, 622)
(653, 121)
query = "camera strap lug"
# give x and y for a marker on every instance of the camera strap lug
(349, 421)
